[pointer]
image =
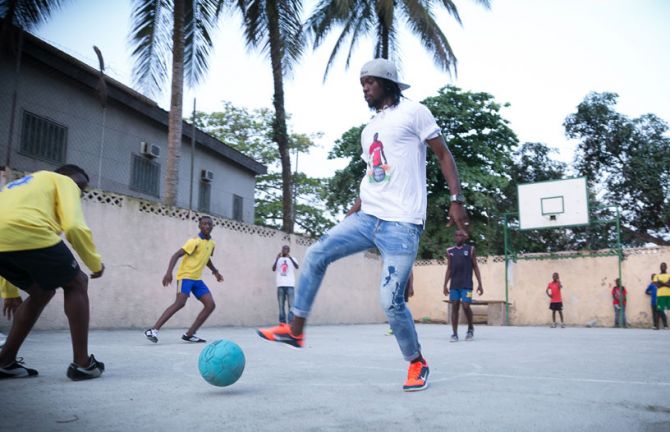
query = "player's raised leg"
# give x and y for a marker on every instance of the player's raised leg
(351, 235)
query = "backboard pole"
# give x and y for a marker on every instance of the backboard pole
(619, 254)
(506, 270)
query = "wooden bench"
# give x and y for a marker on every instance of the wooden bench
(490, 312)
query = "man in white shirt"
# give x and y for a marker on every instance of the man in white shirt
(284, 267)
(388, 215)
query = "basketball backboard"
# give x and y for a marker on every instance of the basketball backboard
(552, 204)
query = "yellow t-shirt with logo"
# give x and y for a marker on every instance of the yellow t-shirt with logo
(7, 290)
(662, 291)
(37, 208)
(198, 251)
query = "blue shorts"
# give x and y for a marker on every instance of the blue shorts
(460, 294)
(188, 286)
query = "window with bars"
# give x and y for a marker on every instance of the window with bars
(237, 207)
(42, 138)
(204, 195)
(145, 175)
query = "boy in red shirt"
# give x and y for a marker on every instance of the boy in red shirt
(619, 295)
(554, 293)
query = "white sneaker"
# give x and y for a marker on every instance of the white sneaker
(152, 335)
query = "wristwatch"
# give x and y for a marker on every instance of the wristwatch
(458, 198)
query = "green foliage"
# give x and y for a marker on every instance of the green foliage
(250, 132)
(343, 187)
(481, 142)
(626, 162)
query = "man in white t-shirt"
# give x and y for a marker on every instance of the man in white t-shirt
(284, 267)
(388, 215)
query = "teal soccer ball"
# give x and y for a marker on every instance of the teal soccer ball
(221, 363)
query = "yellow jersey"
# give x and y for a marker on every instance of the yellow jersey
(37, 208)
(662, 291)
(7, 290)
(198, 251)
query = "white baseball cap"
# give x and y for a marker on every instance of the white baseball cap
(382, 68)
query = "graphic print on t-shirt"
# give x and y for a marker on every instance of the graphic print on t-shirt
(378, 168)
(283, 268)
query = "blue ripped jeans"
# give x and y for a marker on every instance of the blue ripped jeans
(396, 241)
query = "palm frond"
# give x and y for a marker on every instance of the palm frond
(422, 23)
(290, 29)
(150, 40)
(453, 10)
(28, 14)
(385, 29)
(201, 18)
(361, 27)
(256, 16)
(329, 13)
(352, 28)
(356, 18)
(255, 23)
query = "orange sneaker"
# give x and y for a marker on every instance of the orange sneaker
(417, 377)
(281, 333)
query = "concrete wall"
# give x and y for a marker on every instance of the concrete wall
(587, 285)
(137, 238)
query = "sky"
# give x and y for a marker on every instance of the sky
(540, 56)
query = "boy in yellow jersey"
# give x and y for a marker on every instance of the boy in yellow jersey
(36, 209)
(662, 282)
(197, 253)
(11, 300)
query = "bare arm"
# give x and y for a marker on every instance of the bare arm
(295, 264)
(167, 279)
(475, 267)
(355, 208)
(215, 272)
(447, 276)
(274, 266)
(457, 214)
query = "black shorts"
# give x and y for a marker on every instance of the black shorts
(50, 267)
(556, 306)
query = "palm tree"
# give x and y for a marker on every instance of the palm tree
(360, 18)
(276, 28)
(182, 29)
(18, 16)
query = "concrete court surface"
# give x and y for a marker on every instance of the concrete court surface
(349, 378)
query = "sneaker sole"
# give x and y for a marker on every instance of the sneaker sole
(76, 375)
(85, 377)
(416, 389)
(12, 376)
(274, 342)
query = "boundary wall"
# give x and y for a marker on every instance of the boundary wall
(136, 239)
(587, 286)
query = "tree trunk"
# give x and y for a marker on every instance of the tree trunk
(175, 117)
(279, 132)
